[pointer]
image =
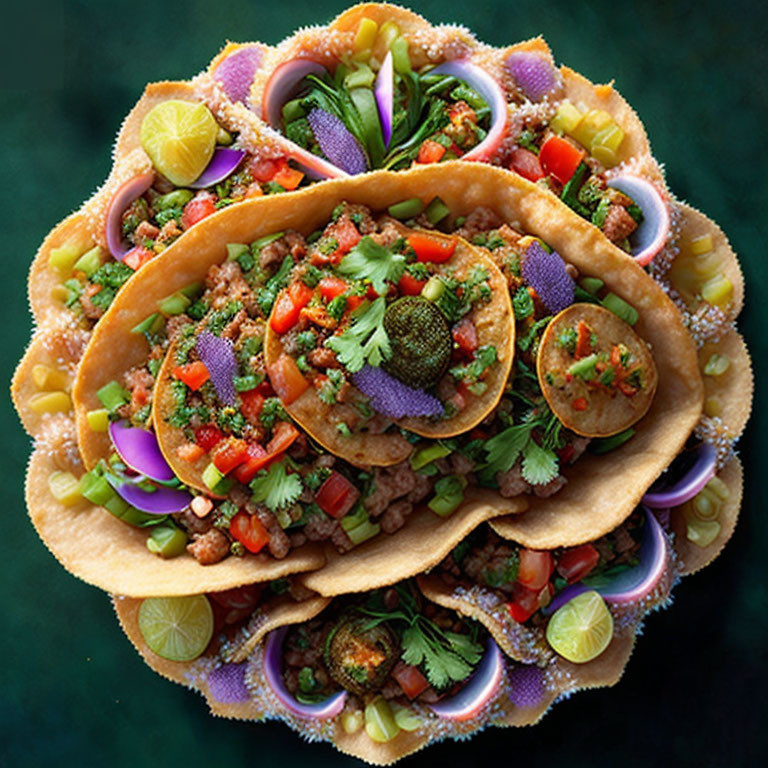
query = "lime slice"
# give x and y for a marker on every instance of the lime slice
(179, 138)
(581, 629)
(177, 628)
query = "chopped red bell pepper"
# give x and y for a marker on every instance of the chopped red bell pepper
(190, 452)
(535, 568)
(346, 235)
(264, 170)
(410, 679)
(583, 340)
(194, 375)
(249, 531)
(137, 257)
(208, 436)
(331, 287)
(201, 205)
(526, 164)
(525, 602)
(256, 459)
(465, 335)
(287, 177)
(229, 453)
(252, 402)
(560, 159)
(336, 496)
(574, 564)
(285, 314)
(409, 285)
(283, 436)
(286, 379)
(300, 293)
(430, 152)
(429, 248)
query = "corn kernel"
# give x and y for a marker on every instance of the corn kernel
(706, 506)
(592, 123)
(610, 137)
(605, 156)
(706, 265)
(717, 365)
(63, 258)
(98, 420)
(65, 488)
(50, 402)
(59, 293)
(717, 290)
(352, 722)
(566, 118)
(701, 245)
(701, 533)
(366, 34)
(713, 407)
(47, 378)
(719, 488)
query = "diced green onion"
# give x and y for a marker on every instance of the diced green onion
(175, 304)
(603, 445)
(95, 488)
(236, 250)
(401, 61)
(212, 476)
(620, 308)
(134, 517)
(167, 541)
(358, 517)
(98, 420)
(449, 493)
(584, 368)
(293, 110)
(427, 455)
(434, 288)
(176, 199)
(112, 396)
(406, 209)
(436, 211)
(363, 532)
(192, 290)
(89, 262)
(591, 285)
(152, 324)
(257, 245)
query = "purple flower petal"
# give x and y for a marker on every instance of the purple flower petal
(219, 358)
(236, 72)
(526, 685)
(534, 75)
(390, 397)
(545, 273)
(336, 142)
(227, 684)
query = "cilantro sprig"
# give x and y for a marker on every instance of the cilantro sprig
(365, 340)
(276, 488)
(370, 261)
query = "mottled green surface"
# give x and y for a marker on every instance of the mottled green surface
(72, 690)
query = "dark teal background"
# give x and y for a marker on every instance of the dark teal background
(72, 690)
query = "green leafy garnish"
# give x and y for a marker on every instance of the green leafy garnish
(276, 488)
(522, 303)
(370, 261)
(365, 340)
(539, 465)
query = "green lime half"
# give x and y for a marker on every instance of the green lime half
(581, 629)
(177, 628)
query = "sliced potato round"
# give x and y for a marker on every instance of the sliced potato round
(600, 386)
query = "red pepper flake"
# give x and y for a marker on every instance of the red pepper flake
(579, 404)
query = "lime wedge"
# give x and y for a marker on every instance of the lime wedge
(581, 629)
(177, 628)
(179, 138)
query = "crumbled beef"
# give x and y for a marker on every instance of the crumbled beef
(511, 482)
(394, 516)
(320, 527)
(421, 489)
(225, 283)
(550, 488)
(170, 231)
(232, 330)
(461, 464)
(618, 224)
(279, 543)
(389, 483)
(322, 357)
(340, 540)
(481, 220)
(145, 231)
(209, 547)
(175, 325)
(388, 232)
(273, 253)
(193, 523)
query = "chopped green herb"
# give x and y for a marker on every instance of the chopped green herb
(276, 488)
(365, 340)
(370, 261)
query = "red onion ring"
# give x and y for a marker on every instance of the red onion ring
(161, 501)
(139, 450)
(651, 235)
(491, 91)
(223, 163)
(123, 197)
(673, 491)
(481, 688)
(273, 663)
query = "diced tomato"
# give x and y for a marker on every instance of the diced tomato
(137, 257)
(300, 294)
(283, 436)
(525, 163)
(249, 531)
(580, 404)
(429, 248)
(409, 285)
(287, 177)
(535, 568)
(251, 404)
(194, 375)
(286, 379)
(229, 453)
(331, 287)
(465, 335)
(346, 235)
(285, 314)
(190, 452)
(583, 340)
(257, 459)
(336, 496)
(574, 564)
(626, 389)
(318, 316)
(410, 679)
(560, 159)
(430, 152)
(254, 190)
(353, 302)
(208, 436)
(201, 205)
(525, 602)
(264, 170)
(565, 454)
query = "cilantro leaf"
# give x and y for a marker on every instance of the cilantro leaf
(504, 448)
(365, 341)
(276, 488)
(370, 261)
(524, 343)
(539, 464)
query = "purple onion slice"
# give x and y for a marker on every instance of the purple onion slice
(545, 273)
(123, 197)
(481, 688)
(651, 235)
(219, 357)
(336, 142)
(636, 583)
(226, 684)
(684, 478)
(534, 74)
(490, 90)
(139, 450)
(223, 163)
(161, 501)
(273, 674)
(384, 91)
(391, 397)
(236, 72)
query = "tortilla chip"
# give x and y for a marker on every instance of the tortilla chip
(494, 324)
(606, 412)
(693, 557)
(195, 674)
(112, 555)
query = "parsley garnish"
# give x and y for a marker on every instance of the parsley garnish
(276, 488)
(365, 341)
(272, 411)
(522, 303)
(370, 261)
